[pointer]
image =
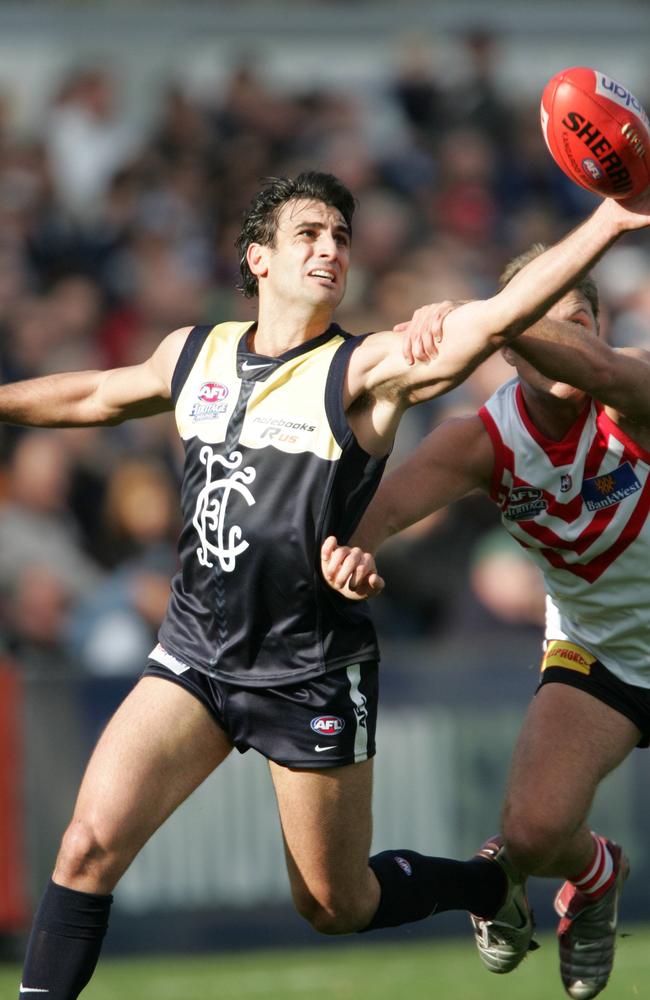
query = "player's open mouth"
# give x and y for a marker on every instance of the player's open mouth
(320, 273)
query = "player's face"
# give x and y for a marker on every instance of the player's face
(311, 256)
(573, 308)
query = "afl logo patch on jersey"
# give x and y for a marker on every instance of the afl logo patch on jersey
(210, 402)
(611, 488)
(327, 725)
(213, 392)
(524, 503)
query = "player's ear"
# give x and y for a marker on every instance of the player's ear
(256, 259)
(509, 356)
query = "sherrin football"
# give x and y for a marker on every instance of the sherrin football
(597, 132)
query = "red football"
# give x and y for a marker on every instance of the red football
(597, 132)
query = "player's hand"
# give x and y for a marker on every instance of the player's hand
(350, 570)
(423, 332)
(635, 210)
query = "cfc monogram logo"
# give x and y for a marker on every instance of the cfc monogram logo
(211, 507)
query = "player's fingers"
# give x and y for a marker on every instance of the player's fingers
(328, 547)
(407, 349)
(349, 567)
(331, 567)
(362, 575)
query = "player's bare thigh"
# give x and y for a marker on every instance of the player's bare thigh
(568, 743)
(157, 748)
(327, 827)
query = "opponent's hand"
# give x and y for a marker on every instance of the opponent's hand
(423, 332)
(350, 570)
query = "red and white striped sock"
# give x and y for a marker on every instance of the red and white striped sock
(599, 875)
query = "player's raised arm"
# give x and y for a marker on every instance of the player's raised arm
(92, 398)
(475, 330)
(618, 378)
(453, 460)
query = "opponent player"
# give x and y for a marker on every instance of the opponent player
(564, 450)
(286, 423)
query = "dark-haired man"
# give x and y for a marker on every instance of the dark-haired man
(564, 450)
(287, 423)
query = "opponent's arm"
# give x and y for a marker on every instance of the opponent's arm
(453, 460)
(92, 398)
(477, 329)
(618, 378)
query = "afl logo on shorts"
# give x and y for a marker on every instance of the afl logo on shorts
(213, 392)
(327, 725)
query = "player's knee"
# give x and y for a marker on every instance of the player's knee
(532, 839)
(82, 852)
(330, 915)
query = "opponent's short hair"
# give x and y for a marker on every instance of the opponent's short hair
(260, 222)
(586, 285)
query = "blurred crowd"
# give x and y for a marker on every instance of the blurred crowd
(112, 236)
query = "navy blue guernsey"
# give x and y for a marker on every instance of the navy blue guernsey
(271, 469)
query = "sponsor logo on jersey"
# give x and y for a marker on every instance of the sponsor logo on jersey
(566, 654)
(283, 431)
(524, 503)
(566, 482)
(210, 401)
(609, 489)
(607, 87)
(327, 725)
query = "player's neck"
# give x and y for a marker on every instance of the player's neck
(552, 417)
(279, 330)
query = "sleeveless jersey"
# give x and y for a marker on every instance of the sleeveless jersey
(271, 468)
(580, 508)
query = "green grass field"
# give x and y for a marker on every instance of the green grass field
(440, 971)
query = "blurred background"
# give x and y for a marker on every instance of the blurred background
(132, 136)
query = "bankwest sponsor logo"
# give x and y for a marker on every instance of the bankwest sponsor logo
(610, 488)
(569, 656)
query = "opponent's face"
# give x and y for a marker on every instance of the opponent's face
(573, 308)
(310, 259)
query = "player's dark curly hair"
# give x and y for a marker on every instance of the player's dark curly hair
(586, 285)
(260, 221)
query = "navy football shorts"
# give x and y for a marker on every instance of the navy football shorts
(566, 663)
(325, 721)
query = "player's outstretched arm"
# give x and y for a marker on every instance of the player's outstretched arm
(475, 330)
(620, 379)
(92, 398)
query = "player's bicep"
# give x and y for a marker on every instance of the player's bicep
(140, 390)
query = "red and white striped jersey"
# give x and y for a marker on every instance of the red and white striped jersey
(580, 508)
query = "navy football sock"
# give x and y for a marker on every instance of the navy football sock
(65, 942)
(414, 886)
